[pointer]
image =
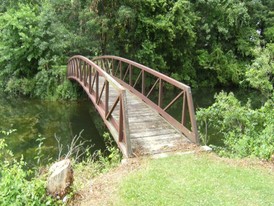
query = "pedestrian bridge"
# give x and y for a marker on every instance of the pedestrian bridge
(146, 111)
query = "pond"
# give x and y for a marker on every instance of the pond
(34, 119)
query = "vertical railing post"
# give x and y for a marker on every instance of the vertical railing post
(90, 78)
(184, 109)
(130, 75)
(192, 116)
(81, 72)
(120, 69)
(73, 67)
(121, 119)
(124, 124)
(112, 69)
(80, 69)
(77, 68)
(97, 86)
(85, 73)
(143, 82)
(103, 66)
(106, 97)
(160, 97)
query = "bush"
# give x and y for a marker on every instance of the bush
(52, 84)
(246, 131)
(16, 188)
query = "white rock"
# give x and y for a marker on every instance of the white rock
(60, 178)
(206, 148)
(124, 161)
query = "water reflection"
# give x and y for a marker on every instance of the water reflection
(31, 118)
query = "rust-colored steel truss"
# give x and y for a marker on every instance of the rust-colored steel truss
(88, 75)
(134, 76)
(149, 85)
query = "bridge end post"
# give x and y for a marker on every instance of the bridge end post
(192, 117)
(126, 133)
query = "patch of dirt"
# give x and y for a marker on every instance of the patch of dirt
(186, 146)
(179, 146)
(103, 189)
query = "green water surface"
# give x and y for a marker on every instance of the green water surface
(33, 119)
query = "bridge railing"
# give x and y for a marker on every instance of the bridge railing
(161, 92)
(96, 83)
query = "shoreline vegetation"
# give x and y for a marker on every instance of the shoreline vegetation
(178, 179)
(201, 43)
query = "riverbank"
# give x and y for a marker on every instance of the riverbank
(191, 179)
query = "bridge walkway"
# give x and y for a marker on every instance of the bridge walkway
(149, 132)
(121, 90)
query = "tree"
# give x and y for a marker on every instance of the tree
(226, 38)
(32, 40)
(260, 73)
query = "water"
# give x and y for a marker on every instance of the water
(35, 118)
(32, 118)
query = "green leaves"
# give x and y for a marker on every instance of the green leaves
(16, 188)
(17, 38)
(202, 43)
(32, 42)
(260, 73)
(246, 131)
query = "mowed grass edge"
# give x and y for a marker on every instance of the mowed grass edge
(197, 180)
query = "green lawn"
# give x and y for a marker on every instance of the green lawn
(197, 180)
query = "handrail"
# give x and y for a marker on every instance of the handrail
(122, 70)
(89, 76)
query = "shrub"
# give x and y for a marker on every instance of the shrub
(246, 131)
(17, 188)
(52, 84)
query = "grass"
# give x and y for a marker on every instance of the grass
(197, 180)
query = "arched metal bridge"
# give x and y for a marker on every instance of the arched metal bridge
(146, 111)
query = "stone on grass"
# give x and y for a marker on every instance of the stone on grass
(206, 148)
(124, 161)
(60, 178)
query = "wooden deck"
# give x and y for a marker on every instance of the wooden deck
(149, 132)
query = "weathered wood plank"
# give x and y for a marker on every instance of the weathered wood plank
(149, 132)
(152, 133)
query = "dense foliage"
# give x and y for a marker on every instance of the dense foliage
(22, 185)
(202, 43)
(17, 187)
(32, 48)
(246, 131)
